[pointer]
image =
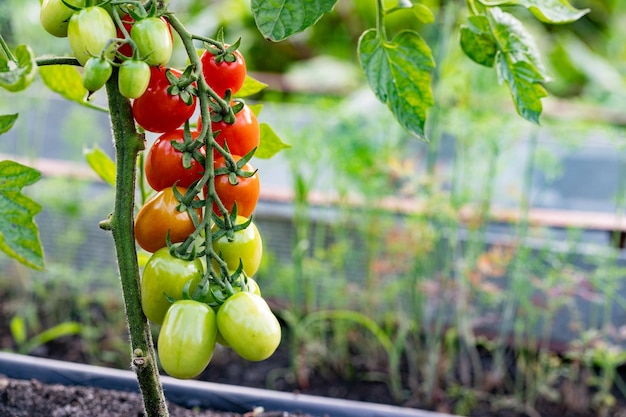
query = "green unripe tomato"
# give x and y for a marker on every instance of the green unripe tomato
(166, 274)
(55, 16)
(246, 246)
(153, 39)
(187, 339)
(97, 72)
(133, 78)
(247, 324)
(89, 31)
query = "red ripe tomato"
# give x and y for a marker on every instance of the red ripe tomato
(245, 192)
(164, 164)
(241, 136)
(157, 110)
(223, 72)
(158, 217)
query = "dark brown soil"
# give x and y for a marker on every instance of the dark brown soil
(34, 399)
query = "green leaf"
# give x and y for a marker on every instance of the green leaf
(66, 81)
(513, 39)
(478, 42)
(518, 63)
(279, 19)
(250, 87)
(18, 330)
(102, 164)
(553, 11)
(270, 143)
(399, 73)
(256, 108)
(423, 13)
(523, 80)
(68, 328)
(19, 74)
(6, 122)
(19, 236)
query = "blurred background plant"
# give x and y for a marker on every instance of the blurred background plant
(429, 267)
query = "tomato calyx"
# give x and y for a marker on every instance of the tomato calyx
(229, 228)
(183, 86)
(221, 51)
(190, 148)
(235, 169)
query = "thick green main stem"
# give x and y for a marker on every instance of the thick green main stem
(128, 143)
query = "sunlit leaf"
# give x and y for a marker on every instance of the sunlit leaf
(399, 73)
(17, 76)
(279, 19)
(66, 81)
(6, 122)
(553, 11)
(102, 164)
(19, 235)
(523, 80)
(270, 143)
(478, 42)
(250, 87)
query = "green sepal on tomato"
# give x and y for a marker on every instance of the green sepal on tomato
(164, 163)
(165, 274)
(187, 339)
(133, 79)
(160, 216)
(157, 110)
(243, 246)
(247, 324)
(89, 31)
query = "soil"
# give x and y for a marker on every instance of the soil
(34, 399)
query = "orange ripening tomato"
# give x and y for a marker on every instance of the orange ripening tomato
(160, 215)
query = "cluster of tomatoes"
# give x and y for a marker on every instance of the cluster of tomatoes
(207, 295)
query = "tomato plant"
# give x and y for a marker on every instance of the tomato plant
(157, 110)
(236, 187)
(160, 217)
(165, 274)
(89, 31)
(153, 39)
(223, 70)
(247, 324)
(187, 338)
(164, 163)
(133, 78)
(245, 246)
(492, 36)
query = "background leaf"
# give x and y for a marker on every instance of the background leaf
(553, 11)
(6, 122)
(399, 73)
(519, 64)
(102, 164)
(19, 235)
(250, 87)
(66, 81)
(17, 76)
(478, 42)
(270, 143)
(279, 19)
